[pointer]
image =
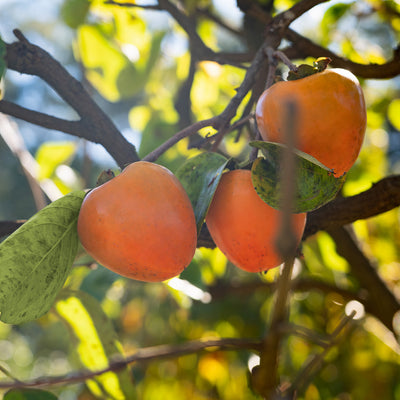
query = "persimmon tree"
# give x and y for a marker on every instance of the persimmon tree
(322, 325)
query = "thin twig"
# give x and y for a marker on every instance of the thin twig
(41, 119)
(221, 122)
(206, 12)
(197, 45)
(221, 291)
(9, 375)
(285, 59)
(190, 130)
(304, 333)
(155, 353)
(14, 140)
(317, 360)
(298, 9)
(133, 5)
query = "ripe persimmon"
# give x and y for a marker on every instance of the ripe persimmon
(330, 116)
(243, 226)
(140, 224)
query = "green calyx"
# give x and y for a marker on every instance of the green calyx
(304, 70)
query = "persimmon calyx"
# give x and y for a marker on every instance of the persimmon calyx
(304, 70)
(104, 177)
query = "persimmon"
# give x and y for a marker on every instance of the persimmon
(330, 116)
(140, 224)
(243, 226)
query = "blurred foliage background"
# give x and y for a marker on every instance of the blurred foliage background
(136, 62)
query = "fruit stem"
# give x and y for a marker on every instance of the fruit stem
(284, 58)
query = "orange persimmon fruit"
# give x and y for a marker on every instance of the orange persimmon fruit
(243, 226)
(140, 224)
(330, 116)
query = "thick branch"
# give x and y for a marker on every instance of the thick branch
(380, 301)
(222, 290)
(303, 47)
(95, 125)
(381, 197)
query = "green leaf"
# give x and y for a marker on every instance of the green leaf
(200, 176)
(108, 67)
(35, 260)
(316, 184)
(96, 343)
(105, 63)
(52, 154)
(74, 12)
(331, 19)
(394, 113)
(29, 394)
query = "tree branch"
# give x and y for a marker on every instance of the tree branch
(146, 354)
(298, 9)
(380, 300)
(187, 23)
(315, 363)
(189, 26)
(221, 121)
(381, 197)
(41, 119)
(220, 291)
(190, 130)
(94, 125)
(303, 47)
